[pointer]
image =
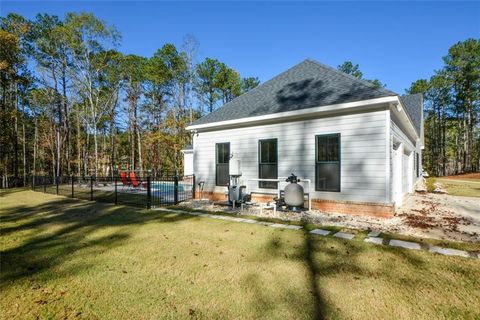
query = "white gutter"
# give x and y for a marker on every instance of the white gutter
(297, 113)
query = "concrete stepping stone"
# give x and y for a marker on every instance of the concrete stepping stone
(405, 244)
(374, 240)
(285, 226)
(263, 223)
(374, 233)
(196, 213)
(343, 235)
(449, 252)
(320, 232)
(250, 221)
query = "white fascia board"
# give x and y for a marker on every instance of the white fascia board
(404, 117)
(296, 113)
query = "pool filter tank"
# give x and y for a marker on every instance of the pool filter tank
(293, 193)
(236, 192)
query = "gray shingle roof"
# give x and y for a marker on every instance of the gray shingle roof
(306, 85)
(413, 104)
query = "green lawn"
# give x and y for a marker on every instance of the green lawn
(466, 188)
(65, 258)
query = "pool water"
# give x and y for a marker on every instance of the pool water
(166, 186)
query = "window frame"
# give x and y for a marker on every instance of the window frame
(217, 163)
(339, 161)
(260, 162)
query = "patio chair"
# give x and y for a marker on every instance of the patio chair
(125, 183)
(136, 185)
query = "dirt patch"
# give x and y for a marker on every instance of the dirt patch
(442, 216)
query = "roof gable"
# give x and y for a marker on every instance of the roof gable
(413, 104)
(306, 85)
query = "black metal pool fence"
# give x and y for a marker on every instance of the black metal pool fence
(146, 192)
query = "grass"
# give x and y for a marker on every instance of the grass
(430, 184)
(66, 258)
(465, 187)
(360, 234)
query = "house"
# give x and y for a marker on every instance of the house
(359, 145)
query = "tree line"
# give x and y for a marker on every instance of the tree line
(73, 104)
(451, 112)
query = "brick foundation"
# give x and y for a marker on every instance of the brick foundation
(355, 208)
(330, 206)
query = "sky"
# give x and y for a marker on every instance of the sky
(395, 42)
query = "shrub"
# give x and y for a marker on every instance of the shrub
(430, 184)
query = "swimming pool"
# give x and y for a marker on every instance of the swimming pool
(167, 186)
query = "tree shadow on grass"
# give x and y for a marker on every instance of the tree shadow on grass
(321, 259)
(55, 230)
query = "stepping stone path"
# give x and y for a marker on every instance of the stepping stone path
(405, 244)
(250, 221)
(194, 213)
(286, 226)
(449, 252)
(343, 235)
(373, 235)
(320, 232)
(374, 240)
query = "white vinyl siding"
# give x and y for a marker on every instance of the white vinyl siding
(411, 147)
(405, 174)
(363, 160)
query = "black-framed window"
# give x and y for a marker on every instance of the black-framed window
(417, 164)
(327, 162)
(267, 163)
(222, 158)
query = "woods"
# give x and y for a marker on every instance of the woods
(73, 104)
(452, 107)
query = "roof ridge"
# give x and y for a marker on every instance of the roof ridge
(290, 90)
(260, 85)
(362, 81)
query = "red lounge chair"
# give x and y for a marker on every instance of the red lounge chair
(135, 184)
(123, 176)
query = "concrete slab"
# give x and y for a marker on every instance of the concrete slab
(320, 232)
(374, 233)
(196, 213)
(343, 235)
(405, 244)
(449, 252)
(263, 223)
(374, 240)
(285, 226)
